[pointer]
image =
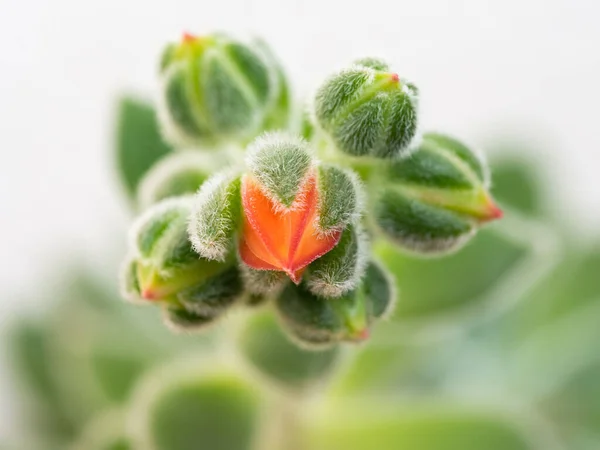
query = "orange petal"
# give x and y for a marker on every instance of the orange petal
(271, 227)
(312, 246)
(278, 239)
(256, 245)
(251, 259)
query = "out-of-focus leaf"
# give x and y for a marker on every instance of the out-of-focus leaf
(191, 410)
(367, 427)
(379, 371)
(430, 287)
(267, 348)
(574, 282)
(517, 184)
(105, 432)
(138, 140)
(43, 406)
(96, 347)
(576, 407)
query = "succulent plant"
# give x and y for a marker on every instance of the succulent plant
(311, 237)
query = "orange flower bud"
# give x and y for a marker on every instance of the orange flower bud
(278, 238)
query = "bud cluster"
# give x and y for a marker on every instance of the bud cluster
(287, 224)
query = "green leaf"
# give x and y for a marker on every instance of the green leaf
(32, 364)
(367, 427)
(267, 348)
(138, 140)
(436, 286)
(517, 184)
(105, 432)
(195, 410)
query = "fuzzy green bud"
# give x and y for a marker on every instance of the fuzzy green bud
(164, 268)
(216, 216)
(216, 89)
(178, 174)
(320, 322)
(367, 110)
(340, 270)
(435, 200)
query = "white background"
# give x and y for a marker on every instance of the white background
(529, 69)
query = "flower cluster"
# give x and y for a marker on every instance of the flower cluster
(256, 213)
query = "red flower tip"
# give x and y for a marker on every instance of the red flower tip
(278, 239)
(394, 77)
(188, 37)
(492, 212)
(363, 334)
(148, 294)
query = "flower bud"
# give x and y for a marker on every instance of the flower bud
(216, 216)
(164, 268)
(340, 270)
(367, 110)
(321, 322)
(435, 200)
(216, 89)
(294, 211)
(178, 174)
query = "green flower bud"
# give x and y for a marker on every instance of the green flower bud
(216, 216)
(216, 89)
(340, 198)
(318, 322)
(368, 111)
(269, 351)
(178, 174)
(342, 269)
(164, 268)
(435, 200)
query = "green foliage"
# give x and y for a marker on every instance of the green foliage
(103, 375)
(138, 143)
(432, 287)
(358, 427)
(269, 351)
(218, 410)
(176, 175)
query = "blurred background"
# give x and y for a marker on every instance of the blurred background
(518, 79)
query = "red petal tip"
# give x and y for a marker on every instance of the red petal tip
(148, 294)
(394, 77)
(493, 212)
(363, 334)
(188, 37)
